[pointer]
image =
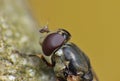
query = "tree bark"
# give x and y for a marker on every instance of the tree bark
(19, 39)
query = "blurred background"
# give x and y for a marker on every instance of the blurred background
(94, 25)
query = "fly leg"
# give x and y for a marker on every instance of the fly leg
(43, 59)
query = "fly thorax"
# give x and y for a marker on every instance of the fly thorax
(59, 62)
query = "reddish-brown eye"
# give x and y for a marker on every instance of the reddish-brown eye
(51, 43)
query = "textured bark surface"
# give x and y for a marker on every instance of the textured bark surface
(18, 39)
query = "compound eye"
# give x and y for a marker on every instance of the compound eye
(52, 42)
(64, 33)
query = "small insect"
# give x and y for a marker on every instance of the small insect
(68, 61)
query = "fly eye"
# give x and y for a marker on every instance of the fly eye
(64, 33)
(51, 43)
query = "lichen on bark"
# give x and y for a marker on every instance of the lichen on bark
(19, 38)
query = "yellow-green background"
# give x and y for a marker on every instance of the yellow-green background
(95, 28)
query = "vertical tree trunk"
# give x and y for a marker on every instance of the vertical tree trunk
(18, 39)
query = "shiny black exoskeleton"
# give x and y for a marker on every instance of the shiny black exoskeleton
(65, 57)
(75, 62)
